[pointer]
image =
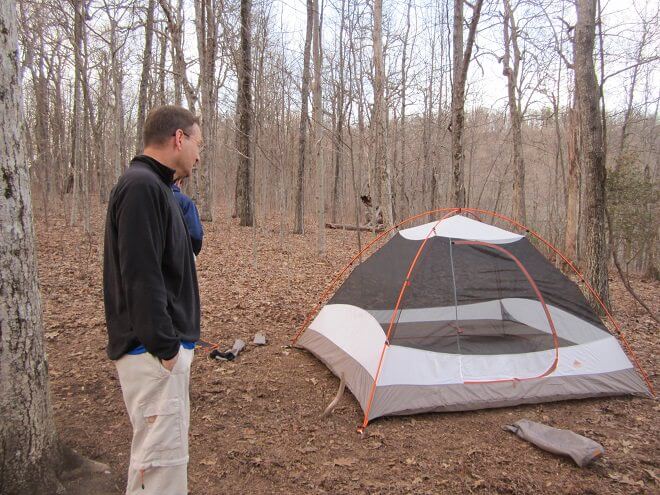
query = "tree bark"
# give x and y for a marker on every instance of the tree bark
(383, 197)
(244, 189)
(29, 452)
(146, 70)
(573, 186)
(175, 27)
(461, 62)
(340, 103)
(299, 220)
(511, 71)
(207, 47)
(403, 208)
(317, 128)
(592, 148)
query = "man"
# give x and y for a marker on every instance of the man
(190, 215)
(152, 301)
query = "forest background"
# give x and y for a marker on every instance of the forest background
(319, 114)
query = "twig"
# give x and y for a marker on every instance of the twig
(335, 401)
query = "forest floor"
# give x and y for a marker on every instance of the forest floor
(255, 422)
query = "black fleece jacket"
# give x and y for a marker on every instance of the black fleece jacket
(149, 279)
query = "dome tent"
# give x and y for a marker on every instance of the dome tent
(456, 315)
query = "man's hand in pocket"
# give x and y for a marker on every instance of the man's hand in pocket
(170, 363)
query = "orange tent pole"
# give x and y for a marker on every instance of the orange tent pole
(587, 284)
(337, 277)
(473, 211)
(404, 286)
(531, 281)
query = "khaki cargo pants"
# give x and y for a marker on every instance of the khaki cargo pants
(158, 404)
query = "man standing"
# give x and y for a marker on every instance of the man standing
(152, 301)
(190, 215)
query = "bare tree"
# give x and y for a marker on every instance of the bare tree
(175, 29)
(317, 127)
(511, 61)
(592, 147)
(29, 450)
(401, 176)
(244, 186)
(573, 183)
(383, 186)
(207, 47)
(461, 62)
(299, 220)
(339, 113)
(146, 70)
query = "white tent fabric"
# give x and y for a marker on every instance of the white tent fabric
(472, 334)
(460, 227)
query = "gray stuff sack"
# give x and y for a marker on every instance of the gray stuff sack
(581, 449)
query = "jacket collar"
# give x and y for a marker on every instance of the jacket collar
(165, 173)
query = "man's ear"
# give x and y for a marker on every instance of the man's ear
(178, 139)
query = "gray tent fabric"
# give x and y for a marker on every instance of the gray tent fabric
(581, 449)
(461, 315)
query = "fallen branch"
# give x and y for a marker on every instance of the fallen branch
(335, 401)
(362, 228)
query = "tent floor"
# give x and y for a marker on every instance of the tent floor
(484, 337)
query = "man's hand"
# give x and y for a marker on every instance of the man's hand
(169, 363)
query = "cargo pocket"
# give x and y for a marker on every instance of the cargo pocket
(162, 443)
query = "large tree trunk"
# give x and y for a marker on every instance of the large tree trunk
(244, 190)
(28, 452)
(340, 109)
(299, 219)
(573, 186)
(146, 70)
(383, 189)
(592, 148)
(207, 47)
(511, 69)
(403, 204)
(317, 128)
(162, 57)
(175, 27)
(461, 62)
(77, 155)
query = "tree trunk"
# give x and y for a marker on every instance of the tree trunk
(118, 104)
(383, 197)
(461, 62)
(244, 190)
(573, 187)
(426, 135)
(511, 70)
(175, 27)
(77, 155)
(146, 70)
(207, 47)
(29, 452)
(340, 104)
(403, 208)
(162, 57)
(317, 128)
(592, 148)
(299, 220)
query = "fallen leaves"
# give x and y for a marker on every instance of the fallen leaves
(344, 461)
(625, 479)
(259, 415)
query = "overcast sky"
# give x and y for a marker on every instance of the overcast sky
(487, 84)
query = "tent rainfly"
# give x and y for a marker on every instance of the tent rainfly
(458, 315)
